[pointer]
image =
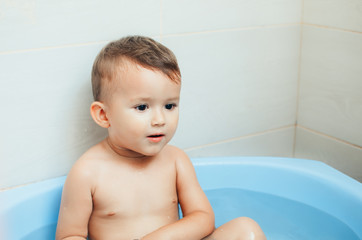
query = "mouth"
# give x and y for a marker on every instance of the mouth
(156, 137)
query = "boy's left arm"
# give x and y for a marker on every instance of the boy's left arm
(198, 217)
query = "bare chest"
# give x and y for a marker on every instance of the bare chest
(136, 194)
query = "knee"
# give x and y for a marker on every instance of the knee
(248, 229)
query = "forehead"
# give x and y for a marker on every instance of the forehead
(135, 81)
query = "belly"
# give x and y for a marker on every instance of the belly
(116, 227)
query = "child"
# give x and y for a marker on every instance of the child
(129, 185)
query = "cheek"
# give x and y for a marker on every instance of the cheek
(126, 121)
(174, 121)
(135, 122)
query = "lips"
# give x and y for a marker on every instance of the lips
(155, 138)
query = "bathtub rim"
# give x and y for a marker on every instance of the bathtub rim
(336, 184)
(317, 172)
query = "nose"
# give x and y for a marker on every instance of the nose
(158, 119)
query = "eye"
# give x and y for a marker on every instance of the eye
(170, 106)
(141, 107)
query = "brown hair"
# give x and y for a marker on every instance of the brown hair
(138, 49)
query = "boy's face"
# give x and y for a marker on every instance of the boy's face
(142, 111)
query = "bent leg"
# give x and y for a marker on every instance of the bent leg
(241, 228)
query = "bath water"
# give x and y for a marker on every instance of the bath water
(280, 218)
(44, 233)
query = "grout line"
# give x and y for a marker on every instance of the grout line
(162, 35)
(294, 140)
(53, 47)
(331, 28)
(329, 136)
(16, 186)
(26, 184)
(239, 138)
(102, 43)
(298, 81)
(231, 29)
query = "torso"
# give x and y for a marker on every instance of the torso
(133, 197)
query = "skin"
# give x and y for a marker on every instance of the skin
(129, 185)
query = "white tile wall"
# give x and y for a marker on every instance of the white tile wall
(344, 14)
(38, 24)
(45, 123)
(277, 142)
(235, 81)
(204, 15)
(340, 155)
(239, 61)
(240, 74)
(331, 83)
(330, 101)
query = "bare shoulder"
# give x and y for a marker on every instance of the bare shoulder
(176, 153)
(182, 161)
(86, 168)
(85, 162)
(174, 150)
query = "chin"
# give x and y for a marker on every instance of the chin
(152, 152)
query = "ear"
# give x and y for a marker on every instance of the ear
(99, 115)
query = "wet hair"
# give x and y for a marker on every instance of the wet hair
(140, 50)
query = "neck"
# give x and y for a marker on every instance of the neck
(124, 152)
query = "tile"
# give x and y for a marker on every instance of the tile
(48, 125)
(331, 86)
(206, 15)
(236, 83)
(277, 143)
(344, 157)
(38, 23)
(345, 14)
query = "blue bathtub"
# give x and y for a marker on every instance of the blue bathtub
(289, 198)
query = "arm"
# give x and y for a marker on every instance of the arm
(76, 204)
(198, 220)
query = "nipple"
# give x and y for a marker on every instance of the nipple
(110, 214)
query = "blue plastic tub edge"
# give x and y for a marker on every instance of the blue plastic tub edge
(328, 189)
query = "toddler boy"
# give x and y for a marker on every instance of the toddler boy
(129, 185)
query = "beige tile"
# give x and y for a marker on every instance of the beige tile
(38, 24)
(344, 157)
(344, 14)
(48, 125)
(236, 83)
(206, 15)
(331, 83)
(277, 142)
